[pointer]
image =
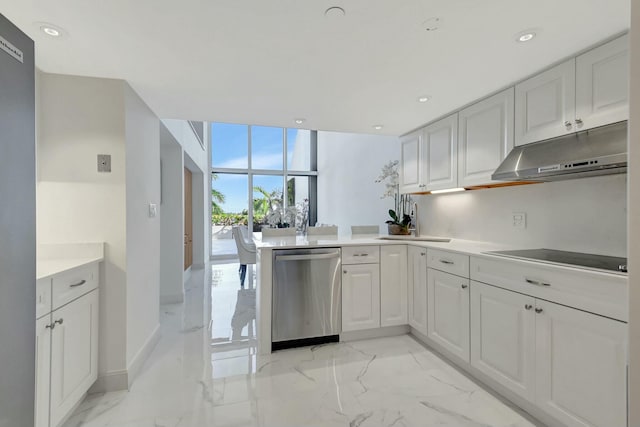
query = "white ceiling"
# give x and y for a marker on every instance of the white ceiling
(268, 62)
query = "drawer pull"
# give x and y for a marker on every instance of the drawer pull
(528, 306)
(364, 254)
(538, 310)
(80, 283)
(536, 282)
(465, 286)
(446, 261)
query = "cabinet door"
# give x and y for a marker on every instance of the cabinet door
(417, 287)
(602, 85)
(440, 141)
(393, 285)
(503, 337)
(545, 104)
(485, 137)
(581, 361)
(448, 323)
(360, 297)
(74, 360)
(411, 167)
(43, 371)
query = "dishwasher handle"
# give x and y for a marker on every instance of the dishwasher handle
(308, 257)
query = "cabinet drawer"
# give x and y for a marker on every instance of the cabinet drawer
(449, 262)
(71, 284)
(361, 254)
(43, 297)
(600, 293)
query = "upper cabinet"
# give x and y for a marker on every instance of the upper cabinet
(485, 137)
(545, 104)
(602, 85)
(582, 93)
(440, 141)
(411, 169)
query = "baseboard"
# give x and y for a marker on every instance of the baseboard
(135, 367)
(387, 331)
(111, 381)
(171, 299)
(186, 275)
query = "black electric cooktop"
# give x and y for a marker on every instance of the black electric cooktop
(600, 262)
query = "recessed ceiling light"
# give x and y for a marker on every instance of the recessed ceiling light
(51, 30)
(378, 127)
(424, 98)
(525, 36)
(299, 121)
(335, 12)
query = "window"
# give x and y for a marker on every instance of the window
(271, 169)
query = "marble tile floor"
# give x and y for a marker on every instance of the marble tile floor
(205, 372)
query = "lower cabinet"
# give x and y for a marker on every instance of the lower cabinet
(393, 285)
(417, 288)
(74, 348)
(448, 309)
(569, 363)
(43, 370)
(503, 337)
(581, 362)
(360, 297)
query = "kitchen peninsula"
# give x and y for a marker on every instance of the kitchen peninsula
(508, 322)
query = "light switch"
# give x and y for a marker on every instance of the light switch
(153, 210)
(104, 163)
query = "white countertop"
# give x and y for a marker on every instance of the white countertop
(55, 258)
(455, 245)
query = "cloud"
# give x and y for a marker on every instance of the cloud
(271, 161)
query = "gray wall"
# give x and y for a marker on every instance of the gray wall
(17, 231)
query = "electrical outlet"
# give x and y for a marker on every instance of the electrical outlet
(153, 210)
(519, 220)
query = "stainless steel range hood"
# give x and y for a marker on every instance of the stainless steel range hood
(599, 151)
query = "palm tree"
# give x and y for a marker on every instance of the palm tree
(216, 198)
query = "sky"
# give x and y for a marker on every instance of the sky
(230, 150)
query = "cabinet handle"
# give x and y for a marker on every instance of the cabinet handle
(364, 254)
(567, 124)
(536, 282)
(578, 122)
(528, 306)
(423, 253)
(422, 185)
(51, 326)
(465, 286)
(80, 283)
(538, 310)
(58, 322)
(344, 271)
(446, 261)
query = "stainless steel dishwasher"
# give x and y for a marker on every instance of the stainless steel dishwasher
(307, 295)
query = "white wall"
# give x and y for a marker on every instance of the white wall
(582, 215)
(79, 118)
(142, 130)
(171, 219)
(634, 220)
(348, 165)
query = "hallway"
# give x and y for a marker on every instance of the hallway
(204, 372)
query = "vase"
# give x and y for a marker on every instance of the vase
(395, 229)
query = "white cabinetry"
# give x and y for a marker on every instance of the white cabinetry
(545, 104)
(602, 85)
(411, 165)
(393, 285)
(74, 347)
(580, 366)
(360, 297)
(66, 342)
(448, 324)
(581, 93)
(440, 141)
(417, 287)
(485, 137)
(503, 337)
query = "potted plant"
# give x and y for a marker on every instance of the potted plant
(397, 226)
